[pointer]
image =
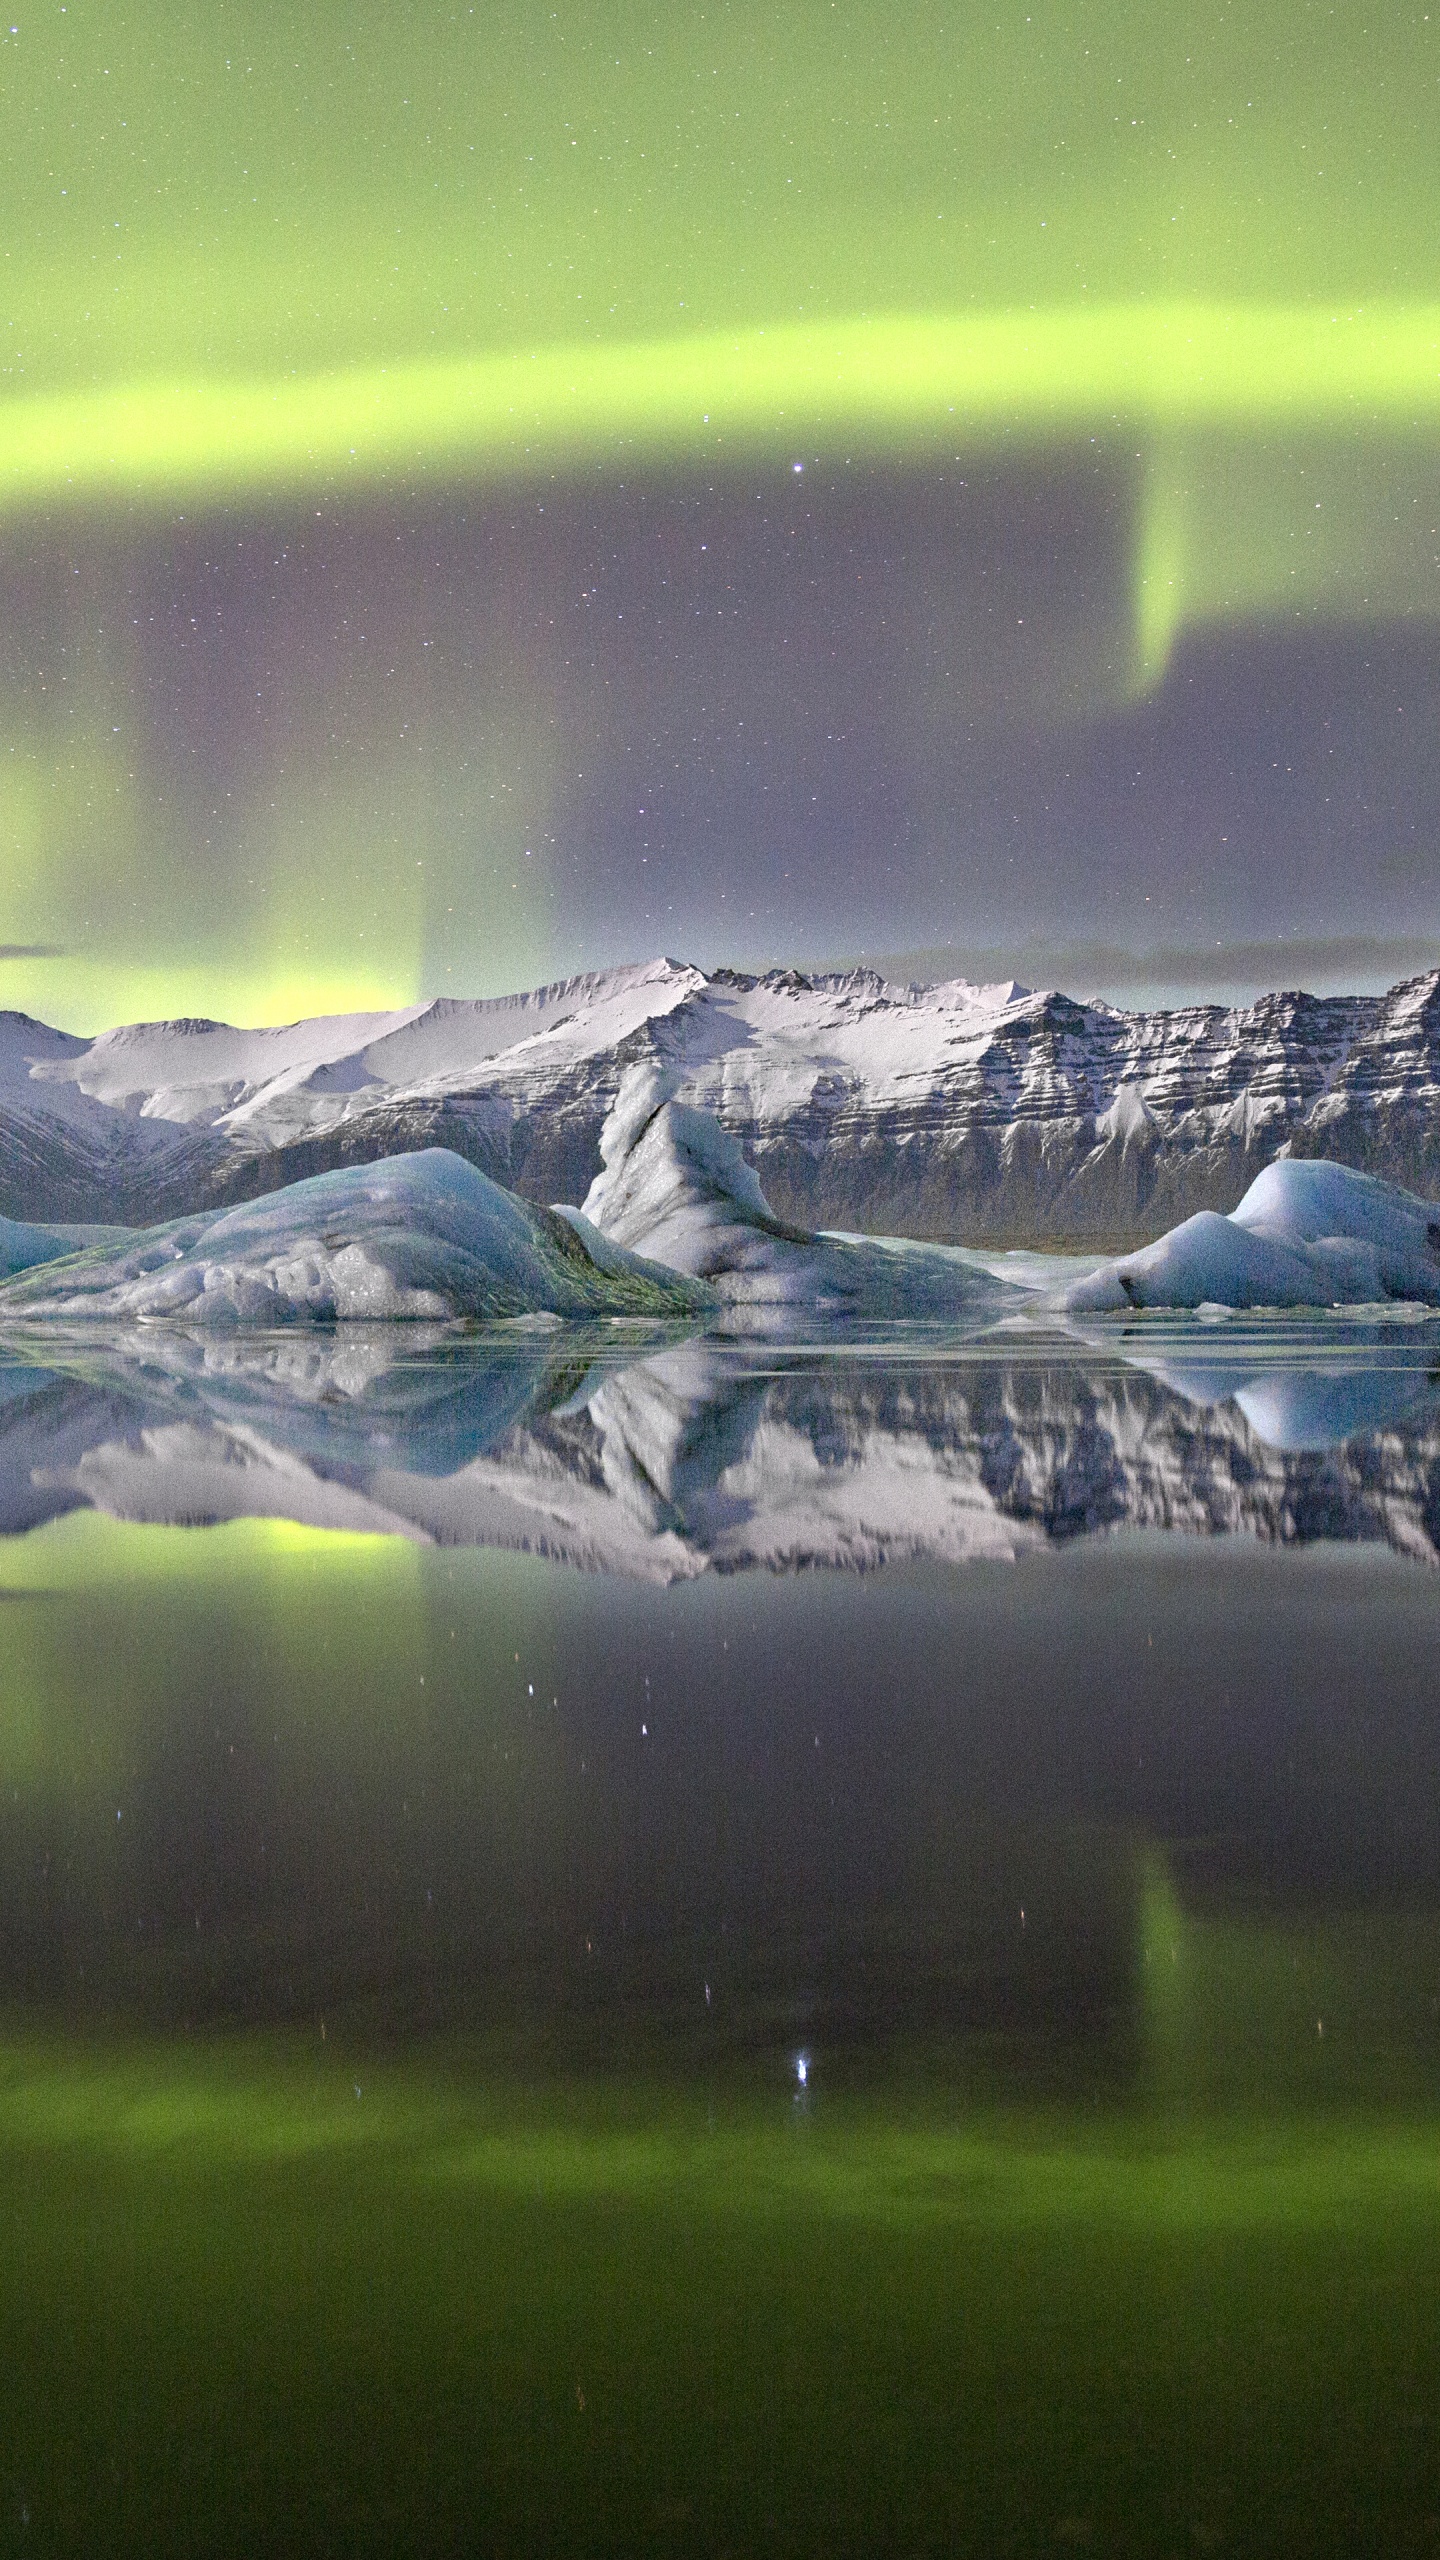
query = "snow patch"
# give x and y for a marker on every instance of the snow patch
(1127, 1121)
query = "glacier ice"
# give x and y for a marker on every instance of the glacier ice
(676, 1225)
(1307, 1233)
(22, 1245)
(422, 1236)
(675, 1186)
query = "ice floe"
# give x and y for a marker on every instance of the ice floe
(1307, 1233)
(22, 1245)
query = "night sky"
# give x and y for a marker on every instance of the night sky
(489, 492)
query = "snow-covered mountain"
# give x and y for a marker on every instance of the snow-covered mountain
(961, 1113)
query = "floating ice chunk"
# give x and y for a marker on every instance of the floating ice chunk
(23, 1246)
(1308, 1234)
(1321, 1204)
(676, 1187)
(1208, 1260)
(419, 1237)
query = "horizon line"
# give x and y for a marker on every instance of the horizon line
(1158, 965)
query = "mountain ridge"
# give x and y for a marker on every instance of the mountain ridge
(999, 1114)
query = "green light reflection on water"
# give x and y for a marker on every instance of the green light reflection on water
(918, 2153)
(393, 2279)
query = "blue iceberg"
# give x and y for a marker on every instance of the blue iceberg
(675, 1184)
(22, 1245)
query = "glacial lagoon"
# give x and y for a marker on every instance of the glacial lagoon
(617, 1941)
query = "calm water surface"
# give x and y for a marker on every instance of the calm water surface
(615, 1944)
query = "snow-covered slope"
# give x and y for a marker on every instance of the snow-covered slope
(65, 1153)
(957, 1113)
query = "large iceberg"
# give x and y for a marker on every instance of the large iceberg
(1306, 1234)
(675, 1186)
(422, 1236)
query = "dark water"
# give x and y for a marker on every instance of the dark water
(635, 1946)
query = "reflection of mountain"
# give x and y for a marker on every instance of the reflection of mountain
(693, 1457)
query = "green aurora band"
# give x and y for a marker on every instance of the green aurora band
(247, 257)
(916, 384)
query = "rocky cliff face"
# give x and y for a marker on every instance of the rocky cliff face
(958, 1113)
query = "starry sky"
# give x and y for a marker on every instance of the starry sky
(487, 492)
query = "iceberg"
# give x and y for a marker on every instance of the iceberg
(22, 1245)
(1306, 1234)
(675, 1186)
(423, 1237)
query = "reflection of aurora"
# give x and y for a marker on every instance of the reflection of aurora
(377, 2291)
(360, 1905)
(253, 1774)
(445, 1771)
(618, 2224)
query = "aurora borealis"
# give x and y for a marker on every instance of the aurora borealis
(487, 493)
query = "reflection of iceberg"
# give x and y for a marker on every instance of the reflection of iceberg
(1305, 1409)
(420, 1236)
(1295, 1408)
(810, 1467)
(701, 1456)
(1307, 1234)
(676, 1187)
(674, 1426)
(350, 1399)
(1306, 1388)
